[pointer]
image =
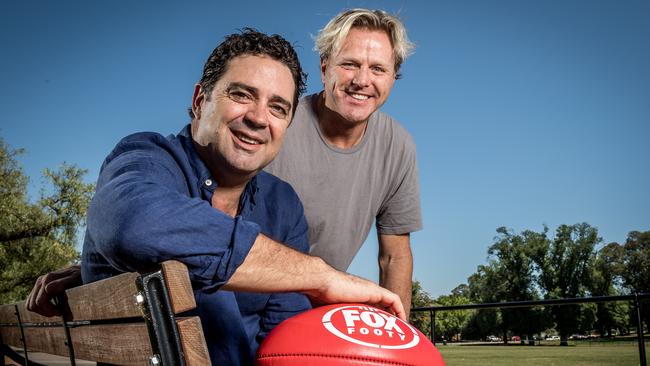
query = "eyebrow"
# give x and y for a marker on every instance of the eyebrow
(255, 91)
(361, 60)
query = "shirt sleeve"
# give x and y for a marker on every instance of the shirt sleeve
(400, 211)
(142, 214)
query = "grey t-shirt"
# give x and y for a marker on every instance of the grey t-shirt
(345, 190)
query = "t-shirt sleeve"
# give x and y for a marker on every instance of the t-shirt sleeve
(400, 211)
(142, 215)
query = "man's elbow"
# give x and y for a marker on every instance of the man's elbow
(120, 239)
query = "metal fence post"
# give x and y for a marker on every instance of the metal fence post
(639, 331)
(432, 315)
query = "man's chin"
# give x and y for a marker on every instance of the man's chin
(357, 118)
(247, 168)
(358, 114)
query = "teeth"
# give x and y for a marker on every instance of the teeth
(247, 139)
(359, 96)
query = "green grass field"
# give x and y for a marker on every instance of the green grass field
(547, 355)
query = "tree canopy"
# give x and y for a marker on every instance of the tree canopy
(37, 237)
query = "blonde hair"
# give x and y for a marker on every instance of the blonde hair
(329, 39)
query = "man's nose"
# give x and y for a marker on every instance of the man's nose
(362, 77)
(257, 115)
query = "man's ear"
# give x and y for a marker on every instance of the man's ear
(323, 68)
(197, 100)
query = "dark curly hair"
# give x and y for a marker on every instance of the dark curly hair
(251, 42)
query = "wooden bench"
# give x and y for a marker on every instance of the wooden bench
(130, 319)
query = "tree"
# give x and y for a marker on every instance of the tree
(509, 276)
(636, 266)
(451, 322)
(515, 268)
(484, 322)
(420, 299)
(564, 266)
(39, 237)
(636, 261)
(606, 273)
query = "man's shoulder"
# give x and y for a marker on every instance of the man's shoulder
(388, 127)
(273, 185)
(140, 140)
(307, 100)
(146, 149)
(148, 137)
(147, 141)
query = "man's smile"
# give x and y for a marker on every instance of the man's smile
(247, 138)
(358, 96)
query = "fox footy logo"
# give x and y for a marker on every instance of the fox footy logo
(368, 326)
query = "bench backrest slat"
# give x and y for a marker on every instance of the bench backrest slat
(106, 299)
(193, 341)
(179, 285)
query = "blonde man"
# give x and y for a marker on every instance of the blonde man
(351, 164)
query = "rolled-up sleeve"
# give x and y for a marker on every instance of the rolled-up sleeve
(144, 213)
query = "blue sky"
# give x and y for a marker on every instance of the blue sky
(524, 113)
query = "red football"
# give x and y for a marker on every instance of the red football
(346, 334)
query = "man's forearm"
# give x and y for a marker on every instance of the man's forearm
(274, 267)
(396, 266)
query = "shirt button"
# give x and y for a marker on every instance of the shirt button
(208, 182)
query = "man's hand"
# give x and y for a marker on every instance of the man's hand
(344, 287)
(48, 286)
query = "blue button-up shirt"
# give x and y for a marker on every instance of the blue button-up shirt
(152, 204)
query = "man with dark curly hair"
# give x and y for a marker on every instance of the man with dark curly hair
(201, 197)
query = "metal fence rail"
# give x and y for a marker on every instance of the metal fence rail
(635, 298)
